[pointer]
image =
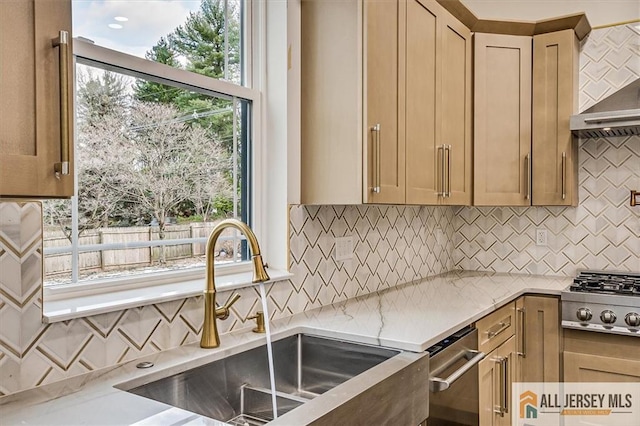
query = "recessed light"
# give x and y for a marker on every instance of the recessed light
(606, 129)
(115, 26)
(121, 19)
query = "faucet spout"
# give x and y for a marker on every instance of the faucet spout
(210, 337)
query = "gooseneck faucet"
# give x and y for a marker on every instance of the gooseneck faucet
(210, 337)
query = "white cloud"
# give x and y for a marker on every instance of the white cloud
(148, 20)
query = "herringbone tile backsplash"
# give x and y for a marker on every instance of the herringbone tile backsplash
(393, 244)
(609, 60)
(603, 232)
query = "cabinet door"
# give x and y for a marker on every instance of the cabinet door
(488, 388)
(502, 127)
(538, 337)
(30, 111)
(496, 374)
(331, 114)
(384, 47)
(507, 351)
(424, 159)
(580, 367)
(438, 113)
(555, 80)
(598, 357)
(455, 109)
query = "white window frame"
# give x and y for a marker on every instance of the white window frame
(61, 302)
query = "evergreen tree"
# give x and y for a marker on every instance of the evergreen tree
(200, 44)
(148, 91)
(201, 40)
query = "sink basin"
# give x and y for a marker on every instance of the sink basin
(236, 389)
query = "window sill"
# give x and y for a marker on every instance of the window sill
(76, 305)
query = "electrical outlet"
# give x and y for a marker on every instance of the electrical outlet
(541, 237)
(344, 248)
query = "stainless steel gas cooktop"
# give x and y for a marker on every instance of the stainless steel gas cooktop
(607, 302)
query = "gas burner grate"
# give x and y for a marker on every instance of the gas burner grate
(607, 283)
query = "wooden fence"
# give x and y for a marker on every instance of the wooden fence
(127, 258)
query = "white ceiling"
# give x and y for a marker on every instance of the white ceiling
(599, 12)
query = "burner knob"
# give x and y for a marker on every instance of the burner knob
(584, 314)
(608, 317)
(632, 319)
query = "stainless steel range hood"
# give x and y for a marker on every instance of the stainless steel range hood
(616, 115)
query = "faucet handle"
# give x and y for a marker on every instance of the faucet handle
(223, 311)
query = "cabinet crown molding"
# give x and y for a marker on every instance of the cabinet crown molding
(577, 22)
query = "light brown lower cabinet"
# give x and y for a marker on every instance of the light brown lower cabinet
(597, 357)
(525, 340)
(539, 339)
(496, 373)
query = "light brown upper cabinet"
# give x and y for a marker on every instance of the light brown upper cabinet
(555, 99)
(522, 155)
(386, 103)
(438, 113)
(352, 102)
(35, 126)
(502, 136)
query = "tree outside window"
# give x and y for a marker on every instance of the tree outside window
(157, 157)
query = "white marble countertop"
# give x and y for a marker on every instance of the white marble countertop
(410, 317)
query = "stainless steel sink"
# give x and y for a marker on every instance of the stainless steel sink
(236, 389)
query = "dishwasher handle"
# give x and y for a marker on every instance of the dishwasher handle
(438, 384)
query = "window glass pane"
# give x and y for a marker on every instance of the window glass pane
(203, 36)
(155, 163)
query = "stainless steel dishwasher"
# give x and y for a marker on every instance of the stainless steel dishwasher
(453, 382)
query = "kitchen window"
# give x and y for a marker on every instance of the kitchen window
(164, 140)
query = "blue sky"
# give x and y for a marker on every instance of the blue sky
(147, 21)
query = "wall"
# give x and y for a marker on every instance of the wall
(392, 245)
(603, 232)
(599, 12)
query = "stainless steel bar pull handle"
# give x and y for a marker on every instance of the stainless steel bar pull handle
(502, 326)
(440, 171)
(499, 407)
(527, 176)
(62, 43)
(564, 175)
(523, 330)
(376, 159)
(447, 152)
(503, 402)
(504, 368)
(438, 384)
